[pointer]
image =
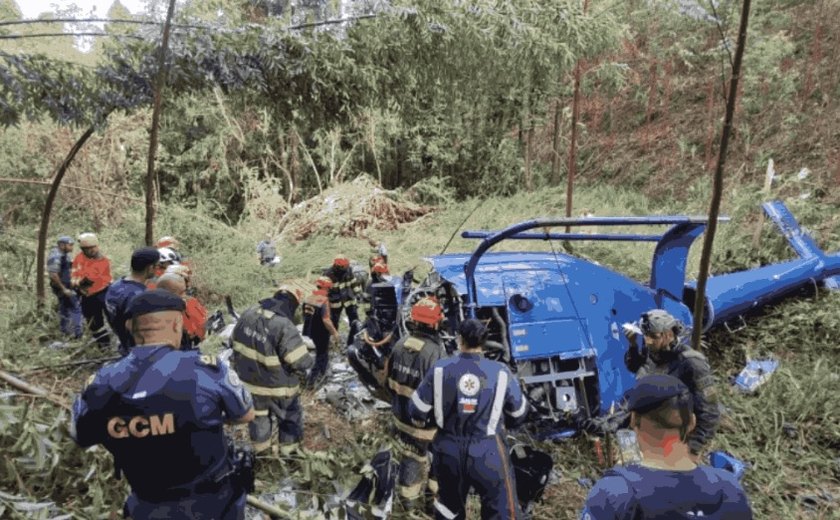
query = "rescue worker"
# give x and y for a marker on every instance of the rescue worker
(58, 268)
(271, 358)
(665, 352)
(90, 276)
(121, 292)
(173, 245)
(195, 315)
(378, 274)
(267, 251)
(344, 294)
(318, 326)
(160, 412)
(668, 483)
(166, 258)
(471, 399)
(176, 285)
(411, 358)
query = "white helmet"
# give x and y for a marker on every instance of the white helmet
(167, 255)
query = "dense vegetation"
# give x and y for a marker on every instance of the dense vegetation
(451, 105)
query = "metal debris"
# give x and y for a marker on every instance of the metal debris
(345, 393)
(755, 374)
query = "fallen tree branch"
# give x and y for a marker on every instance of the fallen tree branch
(67, 186)
(267, 508)
(22, 385)
(75, 363)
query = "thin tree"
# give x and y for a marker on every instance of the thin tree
(40, 285)
(160, 83)
(570, 184)
(717, 185)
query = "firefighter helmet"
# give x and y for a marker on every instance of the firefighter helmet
(427, 311)
(323, 282)
(341, 261)
(88, 240)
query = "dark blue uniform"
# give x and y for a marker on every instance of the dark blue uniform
(69, 310)
(117, 298)
(160, 412)
(471, 398)
(636, 492)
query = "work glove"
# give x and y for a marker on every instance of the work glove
(637, 353)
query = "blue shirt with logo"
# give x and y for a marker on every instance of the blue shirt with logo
(119, 295)
(636, 492)
(160, 412)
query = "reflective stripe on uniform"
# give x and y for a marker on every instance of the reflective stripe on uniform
(442, 509)
(260, 413)
(498, 403)
(438, 399)
(400, 389)
(259, 357)
(518, 413)
(265, 313)
(296, 354)
(261, 446)
(336, 305)
(281, 391)
(417, 433)
(411, 492)
(423, 407)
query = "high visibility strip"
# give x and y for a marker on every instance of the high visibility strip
(400, 389)
(336, 305)
(411, 492)
(417, 433)
(503, 453)
(422, 406)
(295, 355)
(498, 403)
(260, 413)
(259, 357)
(438, 399)
(281, 391)
(265, 313)
(261, 446)
(442, 509)
(521, 411)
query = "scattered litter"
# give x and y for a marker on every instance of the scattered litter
(585, 483)
(58, 345)
(755, 374)
(803, 174)
(347, 395)
(789, 430)
(725, 460)
(556, 435)
(555, 477)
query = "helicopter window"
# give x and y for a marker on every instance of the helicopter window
(521, 303)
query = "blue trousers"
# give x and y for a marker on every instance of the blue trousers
(482, 463)
(228, 504)
(70, 316)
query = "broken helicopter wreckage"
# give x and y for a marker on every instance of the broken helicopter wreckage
(556, 318)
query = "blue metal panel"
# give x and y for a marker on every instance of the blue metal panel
(568, 236)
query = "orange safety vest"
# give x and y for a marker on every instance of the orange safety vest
(96, 270)
(195, 316)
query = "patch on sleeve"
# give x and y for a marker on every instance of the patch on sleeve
(233, 378)
(210, 361)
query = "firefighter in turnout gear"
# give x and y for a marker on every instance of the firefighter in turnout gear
(665, 353)
(271, 358)
(344, 294)
(318, 326)
(412, 357)
(471, 399)
(160, 412)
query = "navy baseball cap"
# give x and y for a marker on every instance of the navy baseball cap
(143, 258)
(156, 300)
(64, 239)
(653, 390)
(473, 331)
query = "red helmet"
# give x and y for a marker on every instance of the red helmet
(427, 310)
(380, 268)
(323, 282)
(341, 261)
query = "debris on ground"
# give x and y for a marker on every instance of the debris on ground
(347, 395)
(727, 461)
(350, 209)
(755, 373)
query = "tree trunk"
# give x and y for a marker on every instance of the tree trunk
(717, 186)
(40, 284)
(294, 164)
(160, 83)
(529, 151)
(572, 169)
(555, 145)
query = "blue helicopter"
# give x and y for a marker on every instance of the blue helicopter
(556, 318)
